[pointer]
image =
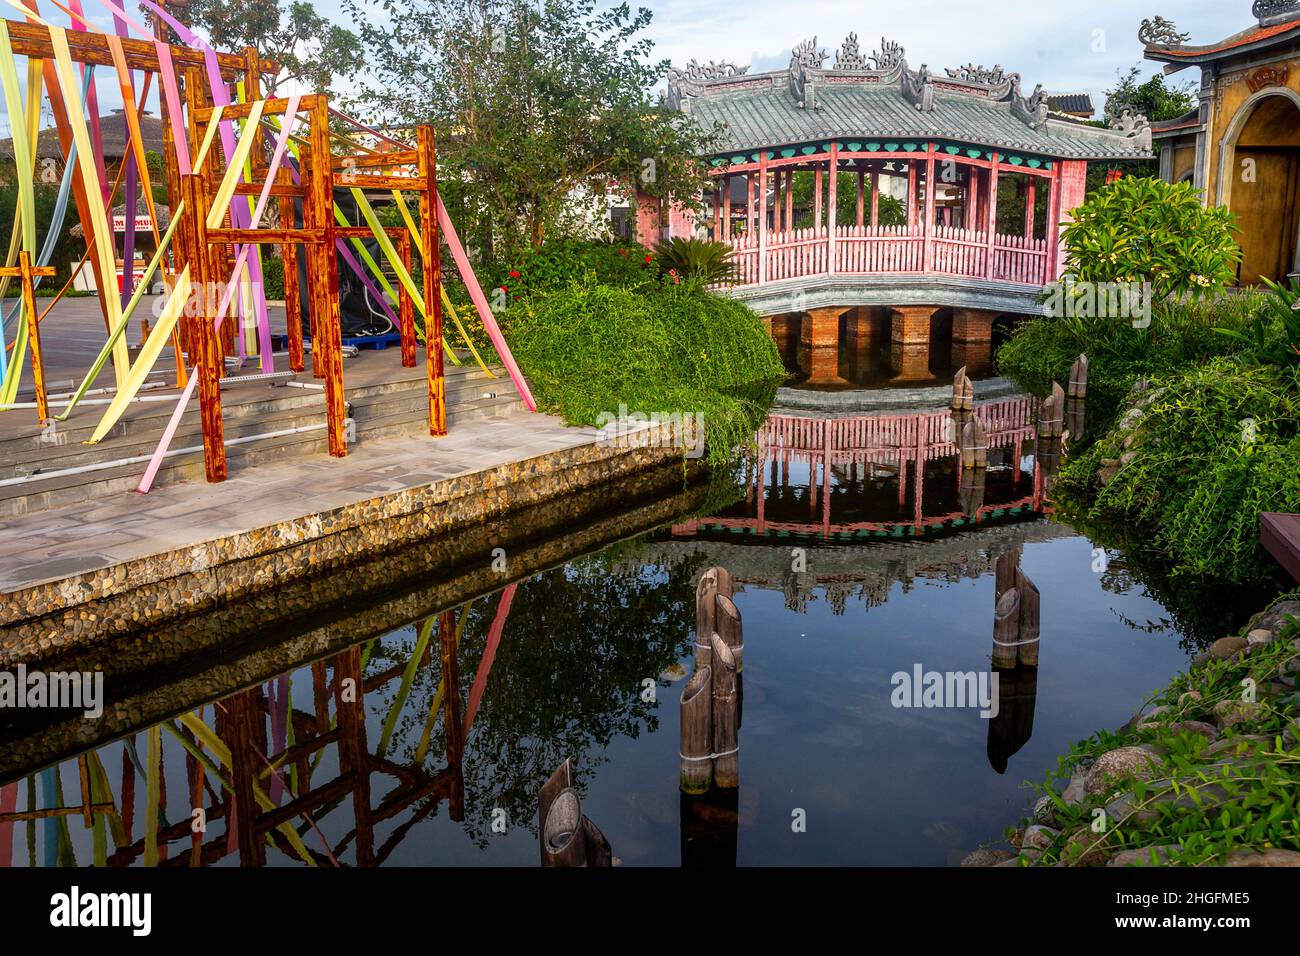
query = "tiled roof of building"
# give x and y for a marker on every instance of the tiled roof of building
(1071, 103)
(760, 111)
(1279, 21)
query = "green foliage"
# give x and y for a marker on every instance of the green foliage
(66, 251)
(1147, 230)
(273, 276)
(1275, 338)
(892, 211)
(311, 51)
(1155, 98)
(588, 349)
(1204, 451)
(698, 259)
(544, 111)
(557, 263)
(1043, 349)
(1199, 806)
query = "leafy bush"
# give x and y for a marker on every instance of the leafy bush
(273, 276)
(589, 348)
(1275, 338)
(1140, 229)
(699, 259)
(559, 262)
(1193, 462)
(1043, 349)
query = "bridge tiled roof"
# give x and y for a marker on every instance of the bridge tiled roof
(808, 104)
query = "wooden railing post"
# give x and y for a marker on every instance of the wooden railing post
(831, 215)
(406, 307)
(210, 362)
(428, 171)
(328, 330)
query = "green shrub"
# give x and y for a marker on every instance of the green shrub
(1180, 334)
(1140, 229)
(1193, 463)
(559, 262)
(273, 276)
(588, 348)
(698, 259)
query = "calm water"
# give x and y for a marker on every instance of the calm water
(843, 579)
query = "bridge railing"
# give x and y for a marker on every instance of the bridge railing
(890, 250)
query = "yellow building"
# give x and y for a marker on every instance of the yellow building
(1242, 143)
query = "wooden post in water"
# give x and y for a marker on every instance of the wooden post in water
(1051, 416)
(566, 836)
(974, 446)
(1027, 652)
(729, 627)
(696, 732)
(1079, 378)
(713, 582)
(726, 746)
(1006, 627)
(970, 490)
(963, 392)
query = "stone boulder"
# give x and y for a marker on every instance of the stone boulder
(1117, 764)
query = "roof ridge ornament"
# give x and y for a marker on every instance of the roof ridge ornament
(686, 82)
(849, 57)
(805, 57)
(1123, 118)
(978, 74)
(1271, 12)
(889, 56)
(1161, 32)
(1033, 109)
(918, 88)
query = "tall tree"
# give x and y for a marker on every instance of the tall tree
(543, 109)
(310, 50)
(1155, 99)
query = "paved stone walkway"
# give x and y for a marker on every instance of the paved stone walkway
(50, 545)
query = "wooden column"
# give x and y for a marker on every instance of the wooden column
(1054, 258)
(928, 255)
(875, 198)
(749, 204)
(911, 195)
(717, 213)
(762, 217)
(832, 213)
(778, 181)
(726, 207)
(789, 198)
(861, 198)
(989, 269)
(453, 731)
(428, 168)
(328, 331)
(406, 306)
(314, 315)
(1031, 188)
(817, 200)
(210, 363)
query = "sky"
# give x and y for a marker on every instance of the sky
(1066, 45)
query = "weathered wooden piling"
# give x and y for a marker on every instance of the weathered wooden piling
(970, 491)
(974, 445)
(696, 732)
(1074, 418)
(1079, 378)
(1051, 414)
(726, 746)
(713, 581)
(1006, 627)
(1004, 573)
(1027, 638)
(727, 624)
(963, 392)
(567, 837)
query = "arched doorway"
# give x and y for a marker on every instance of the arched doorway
(1261, 184)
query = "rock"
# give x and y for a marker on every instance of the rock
(1188, 695)
(986, 856)
(1014, 861)
(1039, 837)
(1275, 617)
(1272, 857)
(1118, 764)
(1208, 731)
(1084, 849)
(673, 673)
(1145, 856)
(1226, 648)
(1044, 810)
(1076, 790)
(1259, 636)
(1230, 713)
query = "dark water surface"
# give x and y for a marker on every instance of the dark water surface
(587, 660)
